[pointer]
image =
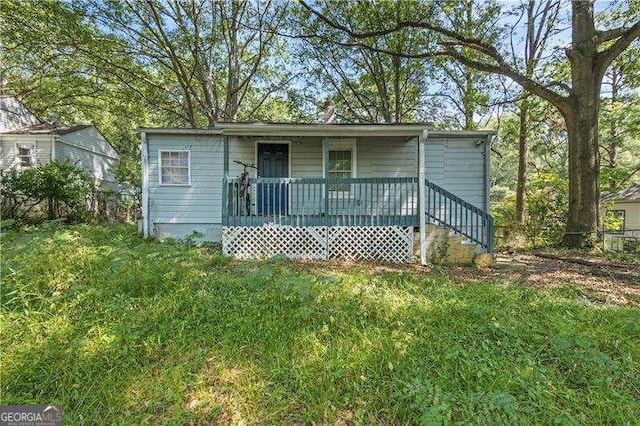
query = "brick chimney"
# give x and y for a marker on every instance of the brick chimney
(329, 115)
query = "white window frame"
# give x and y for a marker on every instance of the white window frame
(162, 151)
(342, 145)
(33, 147)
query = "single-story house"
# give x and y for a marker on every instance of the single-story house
(318, 191)
(624, 206)
(27, 142)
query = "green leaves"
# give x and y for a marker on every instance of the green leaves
(55, 182)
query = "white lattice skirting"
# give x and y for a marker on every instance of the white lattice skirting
(260, 242)
(381, 243)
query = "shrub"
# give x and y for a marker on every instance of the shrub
(546, 208)
(60, 185)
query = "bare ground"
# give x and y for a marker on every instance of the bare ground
(599, 278)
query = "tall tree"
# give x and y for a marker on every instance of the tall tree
(368, 86)
(591, 52)
(541, 22)
(45, 63)
(205, 57)
(469, 94)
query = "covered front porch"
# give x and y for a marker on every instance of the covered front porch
(375, 204)
(376, 220)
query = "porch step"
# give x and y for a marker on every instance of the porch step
(444, 247)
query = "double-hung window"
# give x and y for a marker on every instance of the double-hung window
(26, 155)
(342, 164)
(175, 168)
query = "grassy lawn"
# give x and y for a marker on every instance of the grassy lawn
(119, 329)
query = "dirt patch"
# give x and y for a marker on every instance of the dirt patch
(601, 280)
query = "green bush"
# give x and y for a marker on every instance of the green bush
(61, 186)
(547, 206)
(546, 212)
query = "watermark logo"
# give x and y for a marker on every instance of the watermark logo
(30, 415)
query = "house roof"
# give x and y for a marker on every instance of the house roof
(298, 129)
(47, 128)
(628, 194)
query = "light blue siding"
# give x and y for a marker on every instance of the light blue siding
(455, 163)
(179, 210)
(306, 158)
(244, 151)
(458, 165)
(385, 157)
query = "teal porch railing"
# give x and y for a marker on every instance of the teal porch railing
(304, 202)
(447, 209)
(351, 202)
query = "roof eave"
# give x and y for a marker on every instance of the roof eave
(176, 131)
(257, 129)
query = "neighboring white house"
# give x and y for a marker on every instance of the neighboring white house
(26, 142)
(318, 190)
(14, 115)
(623, 205)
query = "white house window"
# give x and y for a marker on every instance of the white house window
(27, 155)
(342, 164)
(174, 168)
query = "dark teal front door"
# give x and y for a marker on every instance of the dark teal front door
(273, 162)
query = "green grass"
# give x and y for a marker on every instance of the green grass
(117, 329)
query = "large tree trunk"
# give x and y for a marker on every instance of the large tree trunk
(587, 128)
(571, 236)
(469, 101)
(583, 221)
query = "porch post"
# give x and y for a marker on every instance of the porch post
(422, 207)
(225, 165)
(144, 153)
(225, 181)
(325, 174)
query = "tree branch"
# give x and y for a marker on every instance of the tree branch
(612, 34)
(625, 38)
(500, 67)
(562, 102)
